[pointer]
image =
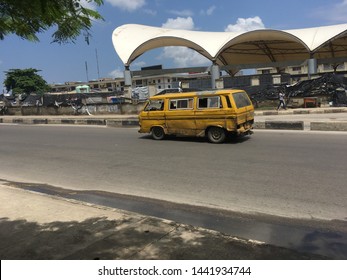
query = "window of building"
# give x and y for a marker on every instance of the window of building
(296, 68)
(138, 82)
(265, 71)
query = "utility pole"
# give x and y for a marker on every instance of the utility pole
(87, 71)
(97, 62)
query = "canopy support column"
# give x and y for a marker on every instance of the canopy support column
(312, 67)
(215, 75)
(127, 76)
(127, 82)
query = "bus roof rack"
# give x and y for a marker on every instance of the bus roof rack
(177, 90)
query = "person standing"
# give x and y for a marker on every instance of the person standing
(281, 101)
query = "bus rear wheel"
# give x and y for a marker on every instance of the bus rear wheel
(158, 133)
(216, 135)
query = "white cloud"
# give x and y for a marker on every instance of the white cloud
(179, 23)
(182, 13)
(209, 11)
(150, 12)
(183, 57)
(333, 13)
(139, 64)
(117, 73)
(127, 5)
(245, 24)
(88, 5)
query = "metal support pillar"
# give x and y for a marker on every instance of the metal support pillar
(312, 67)
(215, 75)
(127, 76)
(127, 83)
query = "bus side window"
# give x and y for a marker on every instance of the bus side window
(172, 105)
(202, 102)
(155, 105)
(228, 101)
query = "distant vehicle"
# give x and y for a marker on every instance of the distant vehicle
(215, 114)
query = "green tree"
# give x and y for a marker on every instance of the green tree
(25, 81)
(27, 18)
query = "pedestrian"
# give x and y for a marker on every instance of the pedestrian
(281, 96)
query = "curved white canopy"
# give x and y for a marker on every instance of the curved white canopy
(258, 46)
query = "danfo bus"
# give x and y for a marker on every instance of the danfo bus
(216, 114)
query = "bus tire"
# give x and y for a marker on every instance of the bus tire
(158, 133)
(216, 135)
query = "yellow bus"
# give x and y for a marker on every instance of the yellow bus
(215, 114)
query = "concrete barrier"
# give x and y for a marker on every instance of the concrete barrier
(132, 122)
(259, 125)
(298, 112)
(122, 123)
(329, 126)
(285, 125)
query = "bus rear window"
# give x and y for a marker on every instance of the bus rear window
(241, 99)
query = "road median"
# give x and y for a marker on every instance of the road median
(306, 122)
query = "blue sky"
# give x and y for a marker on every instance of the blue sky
(61, 63)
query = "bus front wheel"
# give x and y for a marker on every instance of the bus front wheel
(158, 133)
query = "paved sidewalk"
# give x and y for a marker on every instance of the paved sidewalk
(40, 226)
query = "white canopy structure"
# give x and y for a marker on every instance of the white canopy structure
(234, 51)
(229, 48)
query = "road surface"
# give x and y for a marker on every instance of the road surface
(289, 174)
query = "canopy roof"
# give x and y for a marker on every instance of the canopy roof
(230, 48)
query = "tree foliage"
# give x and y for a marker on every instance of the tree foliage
(25, 81)
(27, 18)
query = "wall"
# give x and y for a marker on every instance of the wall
(121, 109)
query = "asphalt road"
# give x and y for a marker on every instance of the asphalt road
(291, 174)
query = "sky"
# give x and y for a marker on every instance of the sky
(67, 62)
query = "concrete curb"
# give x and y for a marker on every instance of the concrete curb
(72, 121)
(122, 123)
(291, 125)
(329, 126)
(301, 111)
(133, 122)
(286, 125)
